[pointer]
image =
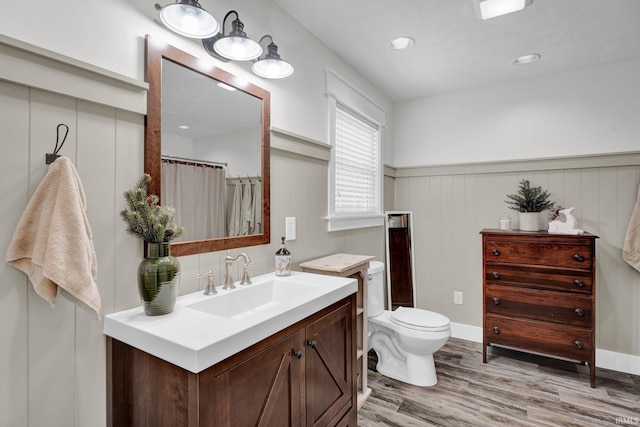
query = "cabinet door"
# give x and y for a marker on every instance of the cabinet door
(328, 368)
(264, 390)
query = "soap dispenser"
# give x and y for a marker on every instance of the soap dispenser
(283, 260)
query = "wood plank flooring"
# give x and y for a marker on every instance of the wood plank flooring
(511, 389)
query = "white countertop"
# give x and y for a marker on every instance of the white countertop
(195, 339)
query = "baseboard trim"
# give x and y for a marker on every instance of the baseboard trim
(606, 359)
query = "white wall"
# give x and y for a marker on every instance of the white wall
(582, 112)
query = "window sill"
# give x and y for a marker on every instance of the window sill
(354, 222)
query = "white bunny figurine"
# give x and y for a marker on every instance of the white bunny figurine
(568, 227)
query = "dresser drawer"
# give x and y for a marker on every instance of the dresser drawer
(558, 307)
(539, 277)
(539, 252)
(569, 342)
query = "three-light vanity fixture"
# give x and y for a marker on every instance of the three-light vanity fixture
(189, 19)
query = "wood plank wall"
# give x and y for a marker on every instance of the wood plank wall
(451, 207)
(52, 360)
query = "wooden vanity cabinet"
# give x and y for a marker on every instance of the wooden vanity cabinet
(355, 267)
(539, 293)
(301, 376)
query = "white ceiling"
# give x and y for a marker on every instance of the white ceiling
(455, 50)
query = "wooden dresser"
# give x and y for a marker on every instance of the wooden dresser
(539, 293)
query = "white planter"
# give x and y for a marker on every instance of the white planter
(529, 221)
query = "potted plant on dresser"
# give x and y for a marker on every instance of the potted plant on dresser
(529, 202)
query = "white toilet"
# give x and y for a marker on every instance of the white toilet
(404, 339)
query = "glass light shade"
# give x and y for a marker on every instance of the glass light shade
(188, 19)
(237, 48)
(271, 68)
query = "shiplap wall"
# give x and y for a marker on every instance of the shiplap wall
(450, 208)
(52, 360)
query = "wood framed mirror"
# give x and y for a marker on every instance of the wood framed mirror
(185, 89)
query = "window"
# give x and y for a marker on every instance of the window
(355, 168)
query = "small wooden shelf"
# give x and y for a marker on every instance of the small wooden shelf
(354, 266)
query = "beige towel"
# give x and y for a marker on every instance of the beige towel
(53, 243)
(631, 250)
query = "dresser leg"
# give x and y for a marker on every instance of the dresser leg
(592, 374)
(484, 353)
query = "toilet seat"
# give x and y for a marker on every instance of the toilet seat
(420, 320)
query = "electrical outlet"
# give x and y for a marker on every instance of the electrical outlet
(290, 228)
(457, 297)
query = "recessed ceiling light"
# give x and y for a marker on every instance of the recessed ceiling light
(184, 127)
(401, 43)
(526, 59)
(492, 8)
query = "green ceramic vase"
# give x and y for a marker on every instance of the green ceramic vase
(158, 279)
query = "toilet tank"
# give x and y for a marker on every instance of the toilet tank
(375, 289)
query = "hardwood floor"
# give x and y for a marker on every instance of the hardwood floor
(511, 389)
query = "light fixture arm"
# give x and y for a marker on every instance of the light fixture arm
(235, 23)
(272, 49)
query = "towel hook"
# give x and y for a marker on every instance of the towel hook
(50, 158)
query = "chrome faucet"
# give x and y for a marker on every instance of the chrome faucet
(211, 288)
(228, 278)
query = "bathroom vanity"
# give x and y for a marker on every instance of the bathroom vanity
(278, 352)
(355, 267)
(539, 293)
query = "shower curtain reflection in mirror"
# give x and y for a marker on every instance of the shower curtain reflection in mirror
(245, 215)
(198, 193)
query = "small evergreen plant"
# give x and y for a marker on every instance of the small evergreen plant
(529, 199)
(145, 218)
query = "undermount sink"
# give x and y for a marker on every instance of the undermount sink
(250, 300)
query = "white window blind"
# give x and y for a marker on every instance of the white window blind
(356, 164)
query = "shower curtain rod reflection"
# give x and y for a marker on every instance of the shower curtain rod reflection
(194, 161)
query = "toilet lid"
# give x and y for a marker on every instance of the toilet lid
(422, 320)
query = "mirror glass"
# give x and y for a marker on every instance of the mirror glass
(207, 151)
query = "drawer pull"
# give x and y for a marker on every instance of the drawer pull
(496, 330)
(495, 252)
(495, 275)
(579, 283)
(578, 344)
(578, 257)
(298, 354)
(496, 300)
(579, 312)
(312, 344)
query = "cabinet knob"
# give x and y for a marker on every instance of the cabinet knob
(496, 330)
(298, 354)
(495, 252)
(578, 344)
(495, 275)
(311, 344)
(579, 283)
(496, 300)
(579, 312)
(578, 257)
